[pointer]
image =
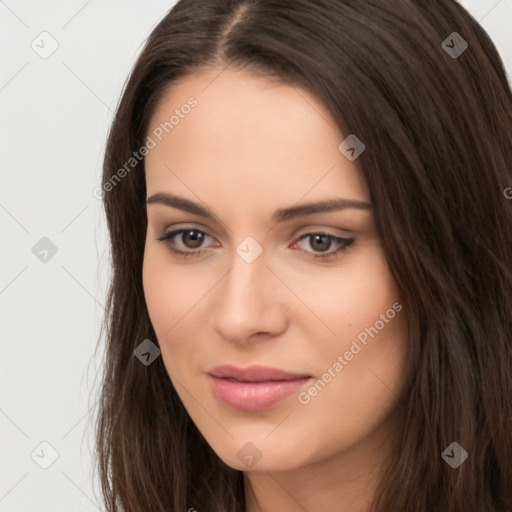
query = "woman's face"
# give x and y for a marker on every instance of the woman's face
(268, 276)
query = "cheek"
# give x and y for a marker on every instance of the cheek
(369, 292)
(370, 337)
(363, 309)
(168, 293)
(170, 289)
(177, 302)
(165, 298)
(343, 302)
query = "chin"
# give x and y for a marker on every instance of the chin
(256, 456)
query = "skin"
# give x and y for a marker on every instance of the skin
(249, 147)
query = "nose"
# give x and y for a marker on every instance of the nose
(248, 303)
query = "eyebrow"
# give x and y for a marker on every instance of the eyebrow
(280, 215)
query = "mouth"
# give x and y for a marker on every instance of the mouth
(255, 388)
(255, 373)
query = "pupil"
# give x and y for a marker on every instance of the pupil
(195, 239)
(321, 242)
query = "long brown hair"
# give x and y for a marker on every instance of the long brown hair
(437, 127)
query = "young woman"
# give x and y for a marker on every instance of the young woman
(311, 238)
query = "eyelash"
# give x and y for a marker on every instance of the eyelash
(346, 243)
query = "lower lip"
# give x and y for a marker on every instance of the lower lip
(254, 396)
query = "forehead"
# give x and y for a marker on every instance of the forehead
(250, 138)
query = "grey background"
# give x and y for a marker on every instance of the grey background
(55, 113)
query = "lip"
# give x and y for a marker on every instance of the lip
(254, 373)
(254, 388)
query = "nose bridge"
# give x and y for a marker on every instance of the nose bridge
(243, 275)
(245, 302)
(244, 289)
(249, 273)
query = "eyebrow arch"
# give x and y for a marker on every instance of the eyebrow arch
(280, 215)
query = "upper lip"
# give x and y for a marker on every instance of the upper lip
(255, 373)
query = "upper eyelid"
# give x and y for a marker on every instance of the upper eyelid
(172, 233)
(309, 230)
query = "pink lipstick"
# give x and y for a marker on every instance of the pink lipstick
(254, 388)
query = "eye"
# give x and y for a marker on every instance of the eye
(321, 243)
(188, 242)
